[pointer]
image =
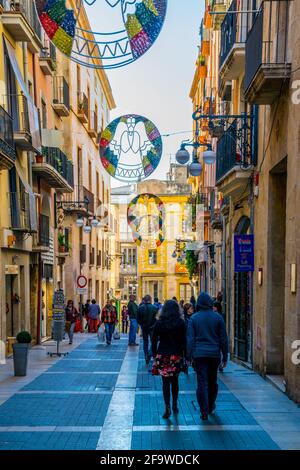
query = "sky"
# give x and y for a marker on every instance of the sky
(157, 85)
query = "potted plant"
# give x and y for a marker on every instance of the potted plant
(61, 243)
(20, 352)
(202, 67)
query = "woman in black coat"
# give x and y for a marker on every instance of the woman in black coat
(169, 351)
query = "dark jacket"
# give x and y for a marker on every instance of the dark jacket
(169, 339)
(72, 314)
(146, 316)
(206, 335)
(132, 310)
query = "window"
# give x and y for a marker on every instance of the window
(90, 176)
(152, 257)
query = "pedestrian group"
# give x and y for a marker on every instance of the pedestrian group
(175, 335)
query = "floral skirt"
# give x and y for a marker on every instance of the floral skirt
(167, 366)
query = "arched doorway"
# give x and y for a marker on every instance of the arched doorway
(243, 304)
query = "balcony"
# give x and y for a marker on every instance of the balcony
(41, 241)
(93, 125)
(218, 6)
(22, 135)
(48, 58)
(83, 108)
(61, 96)
(7, 150)
(267, 67)
(236, 158)
(20, 19)
(233, 37)
(215, 215)
(80, 202)
(19, 211)
(55, 168)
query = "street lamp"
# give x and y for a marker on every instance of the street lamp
(182, 156)
(79, 222)
(87, 228)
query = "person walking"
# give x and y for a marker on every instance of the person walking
(109, 318)
(169, 352)
(188, 311)
(125, 322)
(146, 318)
(218, 309)
(85, 312)
(94, 314)
(157, 303)
(72, 315)
(207, 346)
(193, 302)
(132, 314)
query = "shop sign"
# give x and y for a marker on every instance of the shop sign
(11, 269)
(243, 253)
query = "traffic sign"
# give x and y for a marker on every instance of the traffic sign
(82, 282)
(81, 291)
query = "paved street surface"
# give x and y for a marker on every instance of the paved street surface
(101, 397)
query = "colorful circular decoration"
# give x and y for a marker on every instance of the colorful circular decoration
(145, 216)
(130, 148)
(133, 27)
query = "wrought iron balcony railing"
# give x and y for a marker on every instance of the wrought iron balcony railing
(267, 53)
(234, 29)
(61, 96)
(58, 160)
(82, 107)
(28, 10)
(237, 147)
(19, 211)
(7, 150)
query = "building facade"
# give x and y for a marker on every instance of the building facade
(50, 176)
(253, 123)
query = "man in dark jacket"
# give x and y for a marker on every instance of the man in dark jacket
(132, 314)
(146, 318)
(207, 341)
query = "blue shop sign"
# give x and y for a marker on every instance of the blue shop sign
(243, 253)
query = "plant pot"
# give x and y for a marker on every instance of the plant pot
(20, 358)
(39, 158)
(61, 248)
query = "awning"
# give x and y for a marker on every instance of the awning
(34, 122)
(31, 197)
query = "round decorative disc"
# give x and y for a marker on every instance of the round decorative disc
(130, 148)
(133, 27)
(145, 216)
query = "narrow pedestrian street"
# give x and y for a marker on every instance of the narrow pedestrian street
(103, 397)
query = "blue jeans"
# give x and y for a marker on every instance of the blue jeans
(132, 331)
(71, 332)
(207, 376)
(147, 337)
(109, 329)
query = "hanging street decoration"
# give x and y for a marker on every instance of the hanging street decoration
(130, 148)
(134, 27)
(145, 216)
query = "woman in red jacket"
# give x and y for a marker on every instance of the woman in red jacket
(72, 316)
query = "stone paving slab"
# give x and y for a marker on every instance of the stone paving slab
(202, 440)
(75, 402)
(54, 410)
(48, 441)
